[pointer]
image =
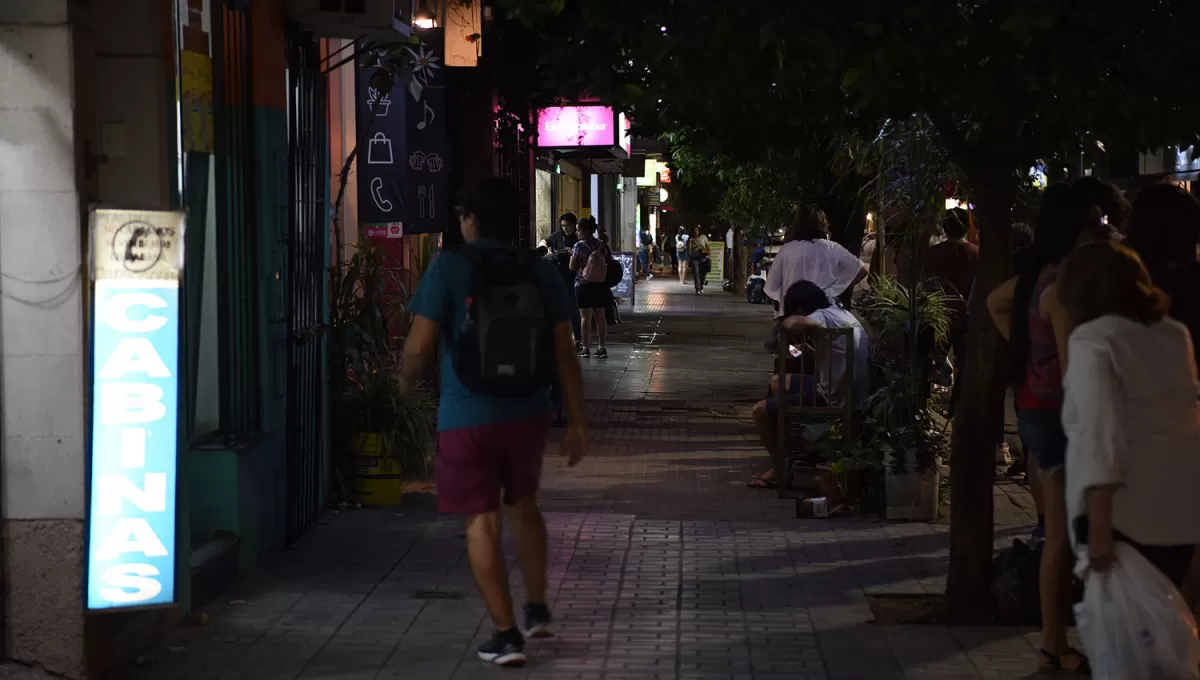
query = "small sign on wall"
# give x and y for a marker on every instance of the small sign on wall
(137, 260)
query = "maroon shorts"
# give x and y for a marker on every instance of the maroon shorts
(475, 464)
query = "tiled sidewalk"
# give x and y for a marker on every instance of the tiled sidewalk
(663, 564)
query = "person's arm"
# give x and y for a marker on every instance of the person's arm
(419, 347)
(797, 324)
(1100, 528)
(863, 272)
(774, 286)
(1097, 452)
(1000, 306)
(1053, 312)
(570, 377)
(577, 258)
(429, 309)
(849, 269)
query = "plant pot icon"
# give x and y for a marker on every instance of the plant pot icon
(379, 103)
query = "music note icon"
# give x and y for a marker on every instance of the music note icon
(427, 117)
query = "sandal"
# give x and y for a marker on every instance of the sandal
(1052, 664)
(760, 483)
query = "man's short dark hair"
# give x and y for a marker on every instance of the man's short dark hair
(1165, 226)
(956, 223)
(569, 218)
(1105, 195)
(804, 298)
(495, 203)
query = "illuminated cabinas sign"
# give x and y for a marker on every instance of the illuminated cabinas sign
(137, 261)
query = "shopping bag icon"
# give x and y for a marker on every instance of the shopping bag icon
(379, 150)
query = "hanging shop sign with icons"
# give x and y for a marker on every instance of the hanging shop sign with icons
(403, 160)
(137, 261)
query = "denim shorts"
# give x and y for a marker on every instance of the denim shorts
(1043, 437)
(801, 389)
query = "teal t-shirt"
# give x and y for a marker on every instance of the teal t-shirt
(442, 297)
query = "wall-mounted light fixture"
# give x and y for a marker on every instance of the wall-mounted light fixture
(425, 18)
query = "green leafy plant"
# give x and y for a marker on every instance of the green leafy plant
(374, 405)
(906, 351)
(369, 321)
(848, 459)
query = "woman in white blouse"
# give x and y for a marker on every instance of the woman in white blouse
(1130, 412)
(808, 255)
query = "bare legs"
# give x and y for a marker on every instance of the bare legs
(487, 565)
(597, 316)
(487, 558)
(530, 531)
(682, 268)
(1055, 576)
(768, 431)
(585, 316)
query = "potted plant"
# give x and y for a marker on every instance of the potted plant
(381, 435)
(851, 470)
(906, 351)
(392, 431)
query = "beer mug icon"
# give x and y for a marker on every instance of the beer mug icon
(379, 150)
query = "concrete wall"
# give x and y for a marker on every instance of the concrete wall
(41, 352)
(63, 71)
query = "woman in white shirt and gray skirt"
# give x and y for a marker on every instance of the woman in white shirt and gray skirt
(1130, 412)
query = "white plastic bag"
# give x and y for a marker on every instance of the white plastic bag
(1134, 622)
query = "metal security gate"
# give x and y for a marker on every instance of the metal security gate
(237, 233)
(307, 249)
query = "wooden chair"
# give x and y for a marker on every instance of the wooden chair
(794, 411)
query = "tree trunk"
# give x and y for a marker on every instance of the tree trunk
(979, 418)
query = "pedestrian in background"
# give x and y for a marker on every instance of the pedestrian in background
(1114, 208)
(490, 448)
(645, 242)
(558, 246)
(698, 258)
(1027, 313)
(1164, 229)
(808, 255)
(681, 253)
(1130, 413)
(591, 295)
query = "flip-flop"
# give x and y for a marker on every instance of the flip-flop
(760, 483)
(1053, 665)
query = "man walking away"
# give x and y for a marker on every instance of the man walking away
(954, 263)
(503, 322)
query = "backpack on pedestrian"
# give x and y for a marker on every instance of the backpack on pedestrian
(595, 269)
(614, 273)
(505, 346)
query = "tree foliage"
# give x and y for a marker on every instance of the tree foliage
(761, 92)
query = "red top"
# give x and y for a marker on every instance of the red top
(1042, 388)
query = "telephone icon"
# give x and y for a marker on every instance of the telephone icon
(377, 195)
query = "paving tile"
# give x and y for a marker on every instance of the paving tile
(662, 564)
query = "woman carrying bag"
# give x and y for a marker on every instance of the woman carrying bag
(698, 258)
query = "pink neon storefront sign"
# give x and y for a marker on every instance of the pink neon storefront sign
(567, 126)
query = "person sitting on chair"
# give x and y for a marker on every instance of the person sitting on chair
(807, 306)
